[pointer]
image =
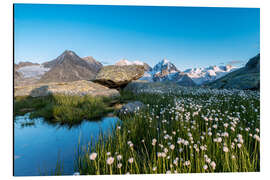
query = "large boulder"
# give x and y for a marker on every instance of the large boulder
(80, 88)
(119, 76)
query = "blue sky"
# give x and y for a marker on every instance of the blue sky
(187, 36)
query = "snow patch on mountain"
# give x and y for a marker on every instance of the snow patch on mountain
(209, 74)
(125, 62)
(34, 71)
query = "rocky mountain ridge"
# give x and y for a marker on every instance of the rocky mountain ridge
(69, 67)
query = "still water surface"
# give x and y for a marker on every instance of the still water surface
(38, 147)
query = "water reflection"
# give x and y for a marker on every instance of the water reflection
(38, 145)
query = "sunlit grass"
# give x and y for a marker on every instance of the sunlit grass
(63, 109)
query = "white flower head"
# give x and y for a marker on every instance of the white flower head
(119, 157)
(172, 147)
(110, 160)
(154, 141)
(225, 149)
(213, 165)
(130, 160)
(119, 165)
(93, 156)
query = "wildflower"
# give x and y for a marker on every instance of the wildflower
(108, 153)
(110, 160)
(165, 150)
(239, 145)
(257, 130)
(168, 172)
(186, 143)
(208, 160)
(202, 138)
(130, 160)
(256, 137)
(154, 168)
(154, 141)
(93, 156)
(213, 165)
(225, 134)
(187, 163)
(225, 149)
(163, 154)
(219, 139)
(172, 147)
(119, 165)
(233, 156)
(119, 157)
(205, 167)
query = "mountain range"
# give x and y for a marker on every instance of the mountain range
(204, 75)
(70, 67)
(166, 71)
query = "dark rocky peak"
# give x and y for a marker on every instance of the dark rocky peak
(254, 63)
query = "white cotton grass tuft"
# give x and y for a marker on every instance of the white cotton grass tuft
(93, 156)
(119, 165)
(213, 165)
(225, 149)
(119, 157)
(130, 160)
(110, 160)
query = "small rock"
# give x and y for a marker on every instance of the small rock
(131, 107)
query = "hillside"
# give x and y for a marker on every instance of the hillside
(247, 77)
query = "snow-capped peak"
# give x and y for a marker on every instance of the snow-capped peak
(165, 65)
(165, 61)
(211, 73)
